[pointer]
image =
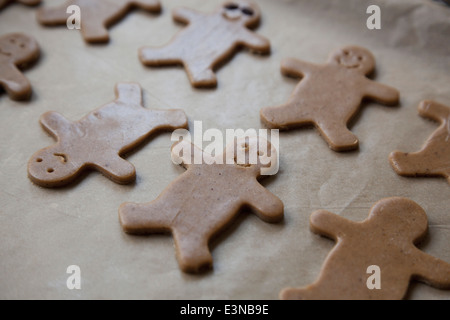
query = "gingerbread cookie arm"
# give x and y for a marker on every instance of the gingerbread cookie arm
(434, 111)
(254, 42)
(295, 68)
(15, 83)
(147, 5)
(328, 224)
(381, 93)
(115, 168)
(30, 2)
(52, 16)
(265, 204)
(184, 15)
(431, 270)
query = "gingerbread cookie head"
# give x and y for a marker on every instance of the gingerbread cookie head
(246, 12)
(253, 152)
(19, 48)
(352, 57)
(407, 220)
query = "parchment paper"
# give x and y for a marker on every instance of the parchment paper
(43, 231)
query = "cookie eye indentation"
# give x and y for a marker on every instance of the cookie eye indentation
(12, 41)
(248, 11)
(39, 160)
(50, 170)
(231, 6)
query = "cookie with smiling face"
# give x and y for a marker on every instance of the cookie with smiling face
(16, 50)
(329, 95)
(209, 40)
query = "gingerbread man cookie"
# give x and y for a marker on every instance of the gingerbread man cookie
(385, 240)
(209, 40)
(203, 202)
(434, 158)
(96, 15)
(4, 3)
(98, 140)
(330, 95)
(16, 50)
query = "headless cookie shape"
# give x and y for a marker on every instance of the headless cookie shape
(386, 239)
(202, 202)
(96, 15)
(98, 140)
(329, 96)
(4, 3)
(209, 40)
(16, 50)
(434, 158)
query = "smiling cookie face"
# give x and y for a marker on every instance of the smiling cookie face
(19, 48)
(355, 58)
(50, 167)
(244, 11)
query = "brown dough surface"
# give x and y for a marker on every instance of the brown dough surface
(386, 239)
(16, 49)
(96, 15)
(329, 96)
(434, 158)
(200, 204)
(4, 3)
(209, 40)
(97, 140)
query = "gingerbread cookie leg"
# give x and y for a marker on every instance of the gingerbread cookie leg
(15, 84)
(337, 135)
(192, 249)
(200, 75)
(148, 5)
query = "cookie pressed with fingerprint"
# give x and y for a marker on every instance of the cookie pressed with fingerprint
(328, 96)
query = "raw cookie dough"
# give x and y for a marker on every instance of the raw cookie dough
(329, 95)
(16, 50)
(209, 40)
(4, 3)
(434, 158)
(386, 240)
(96, 15)
(203, 202)
(98, 140)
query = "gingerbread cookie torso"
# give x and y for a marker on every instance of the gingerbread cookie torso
(209, 40)
(16, 49)
(98, 140)
(201, 203)
(97, 15)
(434, 158)
(4, 3)
(386, 241)
(328, 96)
